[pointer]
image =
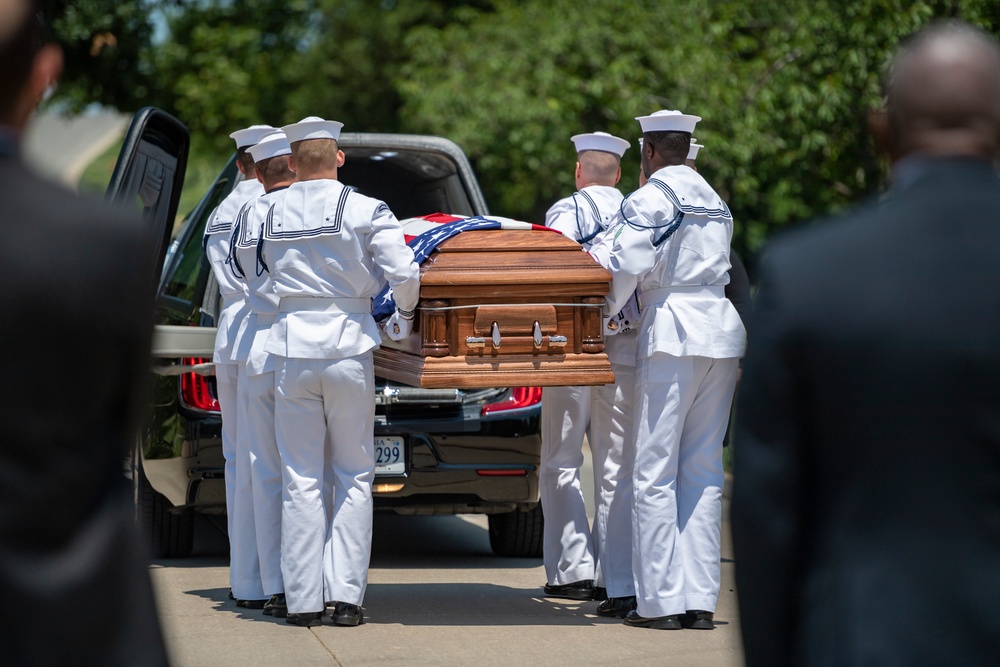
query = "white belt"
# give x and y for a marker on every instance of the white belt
(291, 304)
(655, 296)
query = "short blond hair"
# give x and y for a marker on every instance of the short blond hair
(599, 167)
(315, 154)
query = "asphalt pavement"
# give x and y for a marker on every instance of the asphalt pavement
(436, 596)
(61, 146)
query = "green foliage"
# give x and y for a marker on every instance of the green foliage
(230, 65)
(95, 178)
(355, 51)
(519, 81)
(105, 45)
(783, 87)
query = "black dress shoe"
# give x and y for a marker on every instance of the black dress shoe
(656, 623)
(577, 590)
(616, 607)
(694, 619)
(306, 619)
(276, 606)
(345, 613)
(251, 604)
(600, 593)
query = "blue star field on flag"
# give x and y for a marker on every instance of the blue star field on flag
(422, 246)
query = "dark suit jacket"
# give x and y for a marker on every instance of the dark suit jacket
(866, 506)
(76, 296)
(738, 288)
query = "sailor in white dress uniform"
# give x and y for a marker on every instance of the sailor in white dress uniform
(571, 551)
(671, 247)
(329, 251)
(244, 572)
(256, 382)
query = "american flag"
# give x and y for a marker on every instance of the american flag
(433, 230)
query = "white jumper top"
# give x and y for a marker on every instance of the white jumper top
(670, 245)
(218, 233)
(329, 250)
(261, 299)
(584, 214)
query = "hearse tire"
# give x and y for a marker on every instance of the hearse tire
(517, 534)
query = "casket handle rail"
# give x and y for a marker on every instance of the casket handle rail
(479, 342)
(435, 337)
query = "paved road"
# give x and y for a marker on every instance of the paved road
(61, 147)
(437, 596)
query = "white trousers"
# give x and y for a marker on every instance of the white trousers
(257, 427)
(681, 410)
(324, 425)
(567, 550)
(244, 570)
(612, 444)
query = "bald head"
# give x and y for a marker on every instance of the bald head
(943, 94)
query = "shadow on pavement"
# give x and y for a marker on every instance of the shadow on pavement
(444, 604)
(398, 542)
(440, 542)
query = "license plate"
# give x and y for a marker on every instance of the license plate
(390, 455)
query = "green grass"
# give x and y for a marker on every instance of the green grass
(95, 177)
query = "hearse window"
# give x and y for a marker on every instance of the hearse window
(182, 282)
(411, 182)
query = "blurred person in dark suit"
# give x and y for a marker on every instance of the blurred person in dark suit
(77, 304)
(866, 507)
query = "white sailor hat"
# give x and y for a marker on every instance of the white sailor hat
(313, 127)
(272, 145)
(693, 150)
(668, 120)
(600, 141)
(251, 135)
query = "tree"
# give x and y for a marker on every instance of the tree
(230, 65)
(789, 87)
(512, 85)
(783, 89)
(106, 46)
(355, 52)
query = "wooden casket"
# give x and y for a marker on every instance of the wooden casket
(504, 308)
